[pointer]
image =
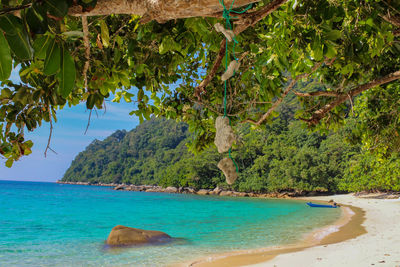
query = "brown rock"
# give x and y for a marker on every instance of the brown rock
(226, 193)
(189, 190)
(216, 191)
(171, 189)
(119, 187)
(203, 192)
(122, 235)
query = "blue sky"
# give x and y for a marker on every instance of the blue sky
(68, 140)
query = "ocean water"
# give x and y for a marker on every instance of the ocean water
(48, 224)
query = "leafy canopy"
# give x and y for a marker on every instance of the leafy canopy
(348, 46)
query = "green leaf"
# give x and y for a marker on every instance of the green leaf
(52, 61)
(90, 102)
(36, 22)
(331, 51)
(105, 36)
(9, 163)
(72, 34)
(8, 23)
(16, 36)
(169, 44)
(333, 35)
(5, 59)
(67, 74)
(40, 46)
(57, 8)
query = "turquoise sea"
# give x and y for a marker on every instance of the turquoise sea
(48, 224)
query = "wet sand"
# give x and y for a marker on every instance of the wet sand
(348, 226)
(379, 246)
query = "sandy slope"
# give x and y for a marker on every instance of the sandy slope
(379, 247)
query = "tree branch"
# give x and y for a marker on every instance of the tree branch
(88, 124)
(50, 134)
(250, 19)
(320, 113)
(86, 42)
(12, 9)
(283, 95)
(201, 87)
(318, 93)
(392, 19)
(247, 20)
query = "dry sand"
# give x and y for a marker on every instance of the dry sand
(380, 246)
(375, 243)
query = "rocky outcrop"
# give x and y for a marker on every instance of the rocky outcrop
(203, 192)
(171, 189)
(119, 187)
(190, 190)
(216, 191)
(121, 235)
(226, 193)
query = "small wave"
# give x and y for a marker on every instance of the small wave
(326, 231)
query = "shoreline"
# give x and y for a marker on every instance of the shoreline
(341, 230)
(379, 246)
(370, 238)
(203, 192)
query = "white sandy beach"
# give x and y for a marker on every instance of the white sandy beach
(380, 246)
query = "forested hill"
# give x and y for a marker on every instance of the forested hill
(136, 157)
(283, 156)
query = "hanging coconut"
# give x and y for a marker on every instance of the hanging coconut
(227, 166)
(229, 35)
(230, 71)
(224, 136)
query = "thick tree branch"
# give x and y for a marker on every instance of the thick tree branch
(318, 93)
(160, 10)
(320, 113)
(87, 49)
(283, 95)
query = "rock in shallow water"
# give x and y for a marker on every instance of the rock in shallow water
(122, 235)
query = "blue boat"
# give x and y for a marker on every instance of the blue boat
(320, 206)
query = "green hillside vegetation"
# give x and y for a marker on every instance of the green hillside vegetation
(280, 156)
(283, 156)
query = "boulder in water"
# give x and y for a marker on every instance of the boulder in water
(121, 235)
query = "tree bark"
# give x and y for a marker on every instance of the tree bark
(160, 10)
(320, 113)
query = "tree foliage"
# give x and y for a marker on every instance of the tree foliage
(348, 46)
(282, 156)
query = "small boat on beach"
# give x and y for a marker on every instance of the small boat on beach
(320, 206)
